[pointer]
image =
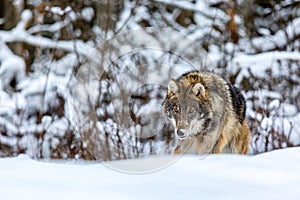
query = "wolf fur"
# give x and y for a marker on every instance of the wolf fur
(208, 114)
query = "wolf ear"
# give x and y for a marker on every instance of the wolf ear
(198, 89)
(172, 86)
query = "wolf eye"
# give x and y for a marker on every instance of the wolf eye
(192, 110)
(175, 109)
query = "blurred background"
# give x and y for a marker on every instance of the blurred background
(53, 52)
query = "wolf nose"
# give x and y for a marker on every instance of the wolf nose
(180, 133)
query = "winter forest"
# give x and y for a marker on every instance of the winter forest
(85, 79)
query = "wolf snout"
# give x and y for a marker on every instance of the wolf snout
(181, 133)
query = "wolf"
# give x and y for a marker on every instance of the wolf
(208, 114)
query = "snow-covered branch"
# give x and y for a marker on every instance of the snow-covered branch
(50, 28)
(183, 5)
(20, 34)
(281, 39)
(11, 65)
(200, 7)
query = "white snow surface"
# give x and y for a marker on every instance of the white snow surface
(273, 175)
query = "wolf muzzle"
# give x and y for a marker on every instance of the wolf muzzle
(182, 134)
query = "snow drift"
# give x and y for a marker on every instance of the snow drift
(273, 175)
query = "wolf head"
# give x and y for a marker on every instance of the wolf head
(187, 107)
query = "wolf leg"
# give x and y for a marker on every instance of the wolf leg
(221, 143)
(243, 139)
(177, 151)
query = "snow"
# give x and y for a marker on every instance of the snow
(57, 10)
(163, 50)
(260, 62)
(11, 66)
(280, 39)
(273, 175)
(87, 14)
(20, 34)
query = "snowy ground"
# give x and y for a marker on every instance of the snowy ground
(273, 175)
